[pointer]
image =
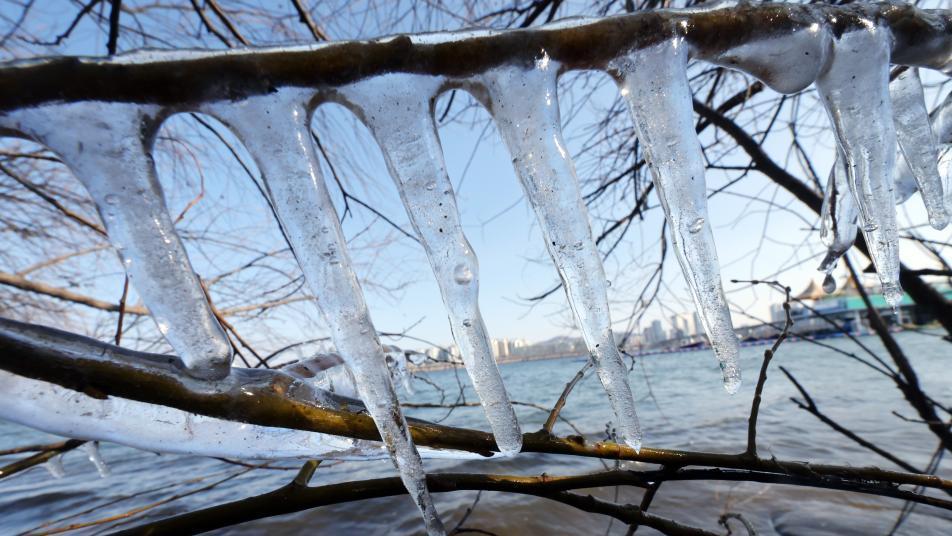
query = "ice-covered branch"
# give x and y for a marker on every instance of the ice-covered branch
(726, 34)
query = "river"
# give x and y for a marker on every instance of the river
(681, 405)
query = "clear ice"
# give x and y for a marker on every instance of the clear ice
(653, 81)
(107, 146)
(276, 131)
(854, 89)
(398, 109)
(525, 107)
(838, 216)
(95, 457)
(918, 143)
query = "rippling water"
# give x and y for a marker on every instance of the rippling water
(681, 405)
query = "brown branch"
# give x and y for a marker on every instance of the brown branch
(560, 403)
(114, 27)
(39, 458)
(768, 356)
(911, 389)
(307, 20)
(150, 378)
(220, 13)
(23, 283)
(810, 406)
(920, 37)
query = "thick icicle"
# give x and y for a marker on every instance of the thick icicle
(95, 458)
(855, 91)
(276, 131)
(524, 104)
(654, 82)
(918, 142)
(398, 110)
(837, 217)
(107, 146)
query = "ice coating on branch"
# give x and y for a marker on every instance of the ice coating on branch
(918, 142)
(64, 412)
(787, 62)
(95, 457)
(276, 131)
(398, 110)
(525, 107)
(854, 89)
(837, 216)
(107, 146)
(653, 81)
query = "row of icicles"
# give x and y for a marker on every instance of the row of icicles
(103, 143)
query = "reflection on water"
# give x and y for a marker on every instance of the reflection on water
(681, 403)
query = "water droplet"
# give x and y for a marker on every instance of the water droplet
(829, 284)
(462, 274)
(696, 226)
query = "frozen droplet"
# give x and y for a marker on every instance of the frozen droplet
(829, 284)
(696, 226)
(462, 274)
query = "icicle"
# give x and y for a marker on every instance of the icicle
(905, 181)
(55, 467)
(525, 106)
(107, 146)
(837, 216)
(92, 452)
(918, 143)
(276, 131)
(654, 83)
(855, 91)
(398, 110)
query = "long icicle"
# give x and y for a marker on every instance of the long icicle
(276, 131)
(854, 90)
(398, 110)
(918, 143)
(654, 83)
(108, 147)
(524, 104)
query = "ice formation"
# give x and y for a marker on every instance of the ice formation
(918, 143)
(854, 89)
(398, 109)
(846, 51)
(95, 457)
(654, 83)
(108, 146)
(276, 131)
(525, 107)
